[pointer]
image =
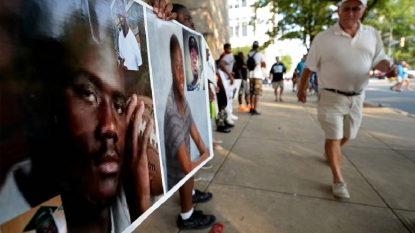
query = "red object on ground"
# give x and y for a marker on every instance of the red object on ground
(217, 228)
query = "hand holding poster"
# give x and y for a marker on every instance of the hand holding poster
(85, 94)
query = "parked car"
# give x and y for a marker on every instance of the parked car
(377, 74)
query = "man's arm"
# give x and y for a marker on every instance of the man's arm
(185, 162)
(197, 139)
(302, 89)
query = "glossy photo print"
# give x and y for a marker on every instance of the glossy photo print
(193, 61)
(130, 20)
(75, 122)
(48, 217)
(182, 115)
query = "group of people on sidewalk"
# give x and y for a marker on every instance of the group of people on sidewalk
(402, 77)
(341, 82)
(232, 67)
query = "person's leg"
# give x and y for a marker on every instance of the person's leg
(407, 81)
(276, 92)
(332, 109)
(252, 93)
(186, 196)
(344, 141)
(281, 91)
(248, 105)
(399, 83)
(257, 92)
(190, 218)
(334, 157)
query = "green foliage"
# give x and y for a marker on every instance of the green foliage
(304, 19)
(398, 15)
(287, 60)
(245, 50)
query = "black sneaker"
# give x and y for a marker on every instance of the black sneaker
(198, 220)
(255, 113)
(201, 197)
(223, 129)
(251, 110)
(227, 125)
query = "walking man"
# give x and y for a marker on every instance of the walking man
(255, 81)
(276, 73)
(299, 70)
(343, 55)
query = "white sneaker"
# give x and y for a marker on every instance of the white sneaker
(217, 147)
(340, 190)
(197, 177)
(230, 121)
(233, 117)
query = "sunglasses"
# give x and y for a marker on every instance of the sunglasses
(354, 9)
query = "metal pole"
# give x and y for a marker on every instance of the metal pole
(390, 44)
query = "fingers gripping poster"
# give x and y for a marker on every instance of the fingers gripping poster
(104, 114)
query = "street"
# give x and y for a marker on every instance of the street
(378, 92)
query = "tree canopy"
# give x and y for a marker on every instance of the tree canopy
(287, 60)
(304, 19)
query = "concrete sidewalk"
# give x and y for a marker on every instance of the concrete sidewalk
(272, 176)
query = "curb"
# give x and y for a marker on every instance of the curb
(403, 113)
(375, 105)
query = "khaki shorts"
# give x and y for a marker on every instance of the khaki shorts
(255, 86)
(339, 115)
(275, 85)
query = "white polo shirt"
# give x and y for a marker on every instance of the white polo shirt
(129, 50)
(343, 63)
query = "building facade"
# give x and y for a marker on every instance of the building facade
(211, 20)
(246, 25)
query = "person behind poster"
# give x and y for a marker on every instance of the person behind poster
(178, 128)
(194, 85)
(130, 54)
(185, 18)
(83, 118)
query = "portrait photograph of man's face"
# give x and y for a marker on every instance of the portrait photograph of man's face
(193, 61)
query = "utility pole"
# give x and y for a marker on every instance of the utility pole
(390, 44)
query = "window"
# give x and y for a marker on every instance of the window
(237, 31)
(230, 6)
(237, 6)
(244, 30)
(231, 31)
(243, 3)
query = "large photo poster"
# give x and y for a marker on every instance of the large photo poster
(181, 107)
(99, 100)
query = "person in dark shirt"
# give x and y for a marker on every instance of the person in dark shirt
(276, 73)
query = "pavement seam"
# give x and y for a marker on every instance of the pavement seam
(305, 196)
(380, 140)
(376, 191)
(226, 156)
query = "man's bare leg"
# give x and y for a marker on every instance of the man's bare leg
(334, 157)
(186, 195)
(276, 94)
(281, 91)
(247, 99)
(344, 141)
(255, 103)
